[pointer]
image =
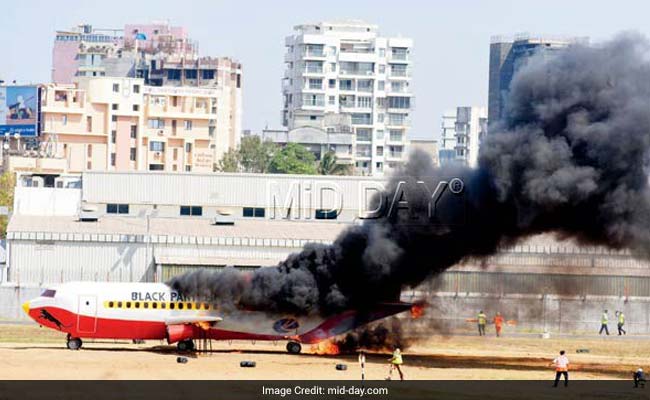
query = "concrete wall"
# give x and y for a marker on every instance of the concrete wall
(49, 262)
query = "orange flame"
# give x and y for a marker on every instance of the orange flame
(326, 347)
(205, 325)
(417, 311)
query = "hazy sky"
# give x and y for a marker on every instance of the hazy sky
(451, 38)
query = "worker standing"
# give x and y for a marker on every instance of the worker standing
(621, 322)
(482, 321)
(395, 363)
(604, 320)
(498, 323)
(561, 368)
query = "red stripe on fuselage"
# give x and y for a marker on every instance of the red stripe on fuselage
(108, 328)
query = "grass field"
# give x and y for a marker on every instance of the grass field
(30, 352)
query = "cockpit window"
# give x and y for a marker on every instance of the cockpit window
(48, 293)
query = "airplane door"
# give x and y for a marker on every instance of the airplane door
(87, 314)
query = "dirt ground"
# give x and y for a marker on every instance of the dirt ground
(29, 352)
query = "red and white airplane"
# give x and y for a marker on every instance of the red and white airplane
(154, 311)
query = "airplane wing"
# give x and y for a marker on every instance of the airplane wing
(186, 319)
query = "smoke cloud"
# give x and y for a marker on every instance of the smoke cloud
(569, 157)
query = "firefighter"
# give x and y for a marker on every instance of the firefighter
(621, 322)
(498, 323)
(561, 365)
(395, 363)
(482, 321)
(604, 319)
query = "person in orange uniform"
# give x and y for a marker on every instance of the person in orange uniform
(498, 323)
(561, 368)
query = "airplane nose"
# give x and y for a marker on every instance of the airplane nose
(26, 307)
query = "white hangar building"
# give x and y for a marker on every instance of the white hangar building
(150, 226)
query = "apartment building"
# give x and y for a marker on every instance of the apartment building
(121, 124)
(462, 131)
(348, 68)
(80, 51)
(447, 150)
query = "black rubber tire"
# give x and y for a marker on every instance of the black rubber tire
(74, 343)
(185, 345)
(294, 347)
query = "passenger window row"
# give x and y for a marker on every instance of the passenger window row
(154, 305)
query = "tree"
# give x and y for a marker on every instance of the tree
(229, 162)
(293, 159)
(329, 165)
(255, 155)
(7, 185)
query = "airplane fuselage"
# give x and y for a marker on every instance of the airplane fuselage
(154, 311)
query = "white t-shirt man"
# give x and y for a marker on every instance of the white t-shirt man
(561, 363)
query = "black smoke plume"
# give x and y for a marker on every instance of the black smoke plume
(569, 157)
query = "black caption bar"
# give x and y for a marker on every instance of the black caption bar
(317, 390)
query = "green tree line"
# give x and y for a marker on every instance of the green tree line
(255, 155)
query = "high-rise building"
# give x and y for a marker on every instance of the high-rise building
(162, 55)
(81, 51)
(347, 68)
(507, 55)
(471, 125)
(447, 150)
(462, 131)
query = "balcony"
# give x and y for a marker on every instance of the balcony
(398, 89)
(399, 57)
(312, 104)
(398, 72)
(313, 70)
(313, 53)
(357, 72)
(356, 49)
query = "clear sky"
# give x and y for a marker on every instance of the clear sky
(451, 38)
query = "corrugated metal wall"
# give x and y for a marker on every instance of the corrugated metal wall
(170, 271)
(527, 283)
(275, 254)
(228, 190)
(55, 262)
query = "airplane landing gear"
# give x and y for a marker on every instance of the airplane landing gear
(294, 347)
(185, 345)
(74, 343)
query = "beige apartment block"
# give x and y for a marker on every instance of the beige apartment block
(119, 124)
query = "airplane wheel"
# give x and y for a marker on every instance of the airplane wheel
(294, 347)
(74, 344)
(185, 345)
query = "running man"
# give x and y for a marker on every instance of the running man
(395, 363)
